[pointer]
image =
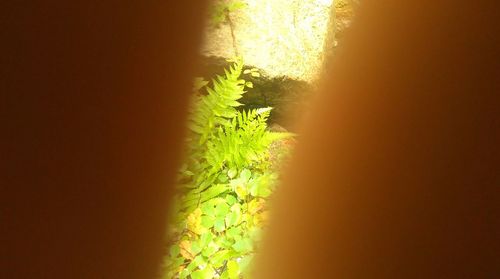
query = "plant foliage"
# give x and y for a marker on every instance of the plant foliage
(223, 185)
(222, 8)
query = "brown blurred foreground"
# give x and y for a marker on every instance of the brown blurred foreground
(396, 174)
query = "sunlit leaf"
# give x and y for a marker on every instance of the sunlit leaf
(194, 221)
(255, 206)
(233, 232)
(196, 247)
(232, 219)
(243, 245)
(205, 239)
(218, 259)
(210, 249)
(185, 249)
(245, 174)
(232, 173)
(231, 199)
(219, 224)
(207, 208)
(207, 221)
(174, 250)
(184, 274)
(241, 191)
(222, 209)
(233, 269)
(206, 273)
(245, 263)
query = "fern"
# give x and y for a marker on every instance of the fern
(222, 139)
(241, 142)
(224, 182)
(219, 105)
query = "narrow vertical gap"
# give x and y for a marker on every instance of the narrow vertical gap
(261, 61)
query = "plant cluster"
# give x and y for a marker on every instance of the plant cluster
(221, 9)
(223, 186)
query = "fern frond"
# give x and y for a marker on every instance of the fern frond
(219, 105)
(222, 137)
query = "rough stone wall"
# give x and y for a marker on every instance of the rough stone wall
(287, 41)
(281, 37)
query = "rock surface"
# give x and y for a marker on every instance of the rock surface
(282, 37)
(284, 40)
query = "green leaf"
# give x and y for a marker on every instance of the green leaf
(197, 261)
(205, 239)
(236, 208)
(210, 249)
(232, 219)
(241, 191)
(184, 274)
(222, 178)
(219, 224)
(245, 263)
(213, 192)
(207, 221)
(206, 273)
(235, 5)
(196, 247)
(231, 199)
(218, 259)
(221, 209)
(224, 242)
(174, 250)
(233, 269)
(261, 187)
(243, 245)
(232, 173)
(245, 174)
(233, 232)
(208, 208)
